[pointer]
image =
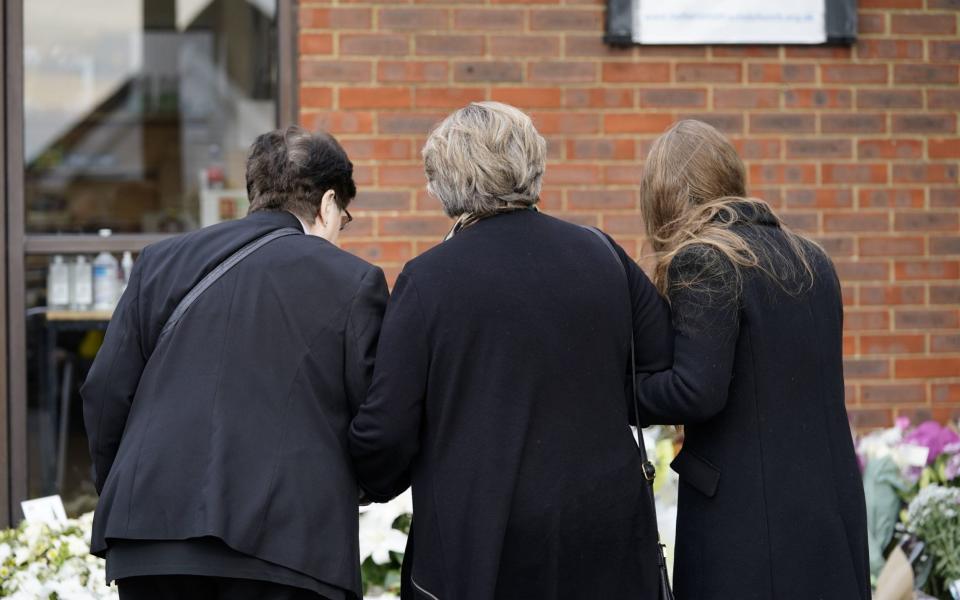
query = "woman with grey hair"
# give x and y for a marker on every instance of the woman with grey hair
(500, 390)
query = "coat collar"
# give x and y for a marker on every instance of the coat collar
(754, 214)
(275, 219)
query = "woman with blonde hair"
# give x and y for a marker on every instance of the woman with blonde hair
(771, 501)
(500, 388)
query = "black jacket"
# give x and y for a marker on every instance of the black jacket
(234, 426)
(500, 392)
(771, 502)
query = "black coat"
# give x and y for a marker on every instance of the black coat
(771, 502)
(500, 392)
(234, 426)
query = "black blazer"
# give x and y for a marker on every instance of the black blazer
(771, 502)
(500, 391)
(234, 426)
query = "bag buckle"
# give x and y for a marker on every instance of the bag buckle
(649, 471)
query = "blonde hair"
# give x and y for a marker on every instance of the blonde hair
(692, 193)
(484, 157)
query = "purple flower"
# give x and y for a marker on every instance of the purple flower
(952, 468)
(902, 422)
(933, 436)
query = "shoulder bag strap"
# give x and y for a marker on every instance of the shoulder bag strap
(219, 272)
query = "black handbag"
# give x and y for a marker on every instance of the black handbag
(649, 471)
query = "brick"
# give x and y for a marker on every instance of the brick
(505, 19)
(781, 73)
(605, 97)
(744, 51)
(865, 419)
(886, 295)
(949, 342)
(817, 98)
(315, 43)
(591, 46)
(376, 149)
(945, 392)
(449, 45)
(782, 173)
(944, 51)
(854, 73)
(819, 198)
(868, 23)
(414, 226)
(863, 368)
(380, 251)
(892, 344)
(782, 123)
(329, 71)
(727, 123)
(396, 71)
(896, 393)
(447, 97)
(313, 97)
(927, 269)
(408, 19)
(945, 198)
(944, 294)
(853, 123)
(890, 149)
(819, 52)
(527, 97)
(891, 198)
(862, 270)
(524, 45)
(943, 4)
(801, 222)
(637, 123)
(746, 98)
(601, 199)
(861, 221)
(925, 173)
(493, 71)
(621, 175)
(926, 24)
(926, 221)
(944, 148)
(408, 123)
(926, 319)
(600, 149)
(839, 247)
(336, 122)
(917, 368)
(621, 72)
(891, 3)
(943, 99)
(590, 19)
(374, 97)
(884, 98)
(944, 244)
(708, 73)
(563, 72)
(926, 74)
(890, 49)
(566, 122)
(373, 44)
(372, 200)
(757, 148)
(891, 246)
(854, 173)
(819, 148)
(573, 174)
(673, 98)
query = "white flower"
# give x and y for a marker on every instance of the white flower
(378, 538)
(5, 552)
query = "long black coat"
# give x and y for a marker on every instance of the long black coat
(500, 391)
(234, 425)
(771, 502)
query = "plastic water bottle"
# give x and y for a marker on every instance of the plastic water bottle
(81, 284)
(106, 284)
(58, 284)
(127, 265)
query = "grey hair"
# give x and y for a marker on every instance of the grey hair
(483, 157)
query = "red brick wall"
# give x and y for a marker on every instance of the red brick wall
(857, 147)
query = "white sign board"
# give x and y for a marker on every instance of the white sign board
(729, 22)
(48, 509)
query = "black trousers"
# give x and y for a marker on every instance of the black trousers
(196, 587)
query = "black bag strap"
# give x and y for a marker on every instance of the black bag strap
(221, 270)
(649, 471)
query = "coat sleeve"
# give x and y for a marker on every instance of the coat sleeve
(112, 382)
(652, 334)
(706, 320)
(361, 335)
(385, 435)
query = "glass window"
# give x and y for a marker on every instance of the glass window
(138, 114)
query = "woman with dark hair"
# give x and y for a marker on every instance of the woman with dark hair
(771, 502)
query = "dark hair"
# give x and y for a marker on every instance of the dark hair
(290, 169)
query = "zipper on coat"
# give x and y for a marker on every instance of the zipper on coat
(422, 590)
